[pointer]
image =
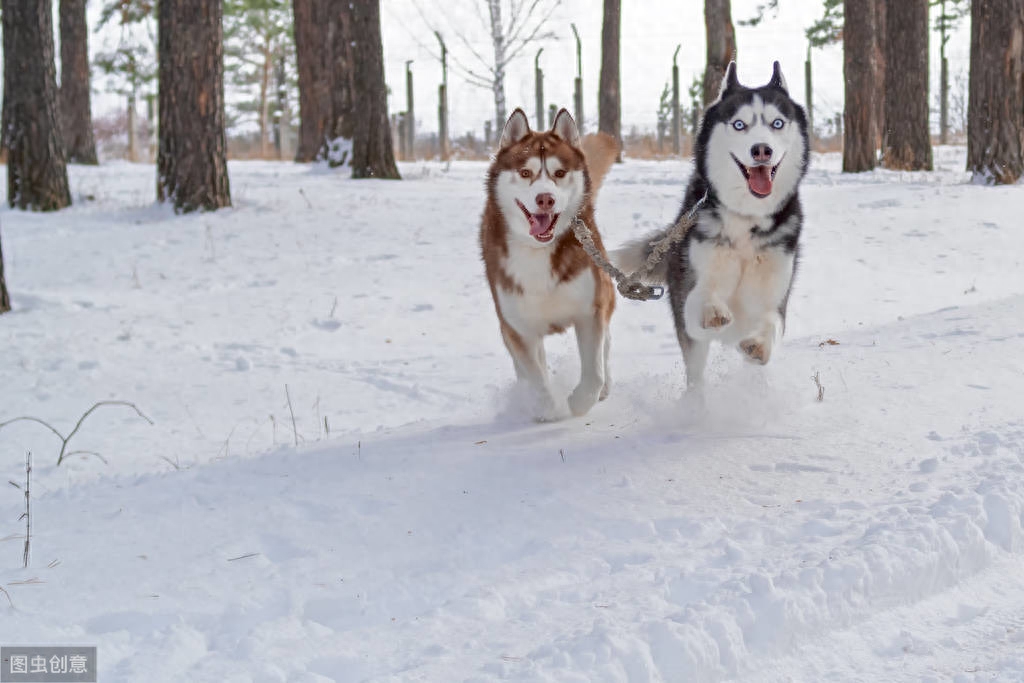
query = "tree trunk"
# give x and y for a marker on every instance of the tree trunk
(192, 168)
(311, 24)
(907, 144)
(859, 76)
(75, 105)
(721, 42)
(341, 121)
(37, 174)
(323, 51)
(609, 99)
(995, 119)
(498, 86)
(372, 153)
(265, 70)
(281, 85)
(5, 298)
(880, 67)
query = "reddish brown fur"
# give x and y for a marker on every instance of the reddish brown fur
(567, 255)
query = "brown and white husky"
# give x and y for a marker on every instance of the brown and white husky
(541, 279)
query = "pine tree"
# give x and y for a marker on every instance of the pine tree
(907, 144)
(130, 66)
(858, 34)
(324, 60)
(75, 102)
(373, 155)
(192, 160)
(995, 120)
(257, 43)
(37, 174)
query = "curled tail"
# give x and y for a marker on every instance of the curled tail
(631, 257)
(600, 151)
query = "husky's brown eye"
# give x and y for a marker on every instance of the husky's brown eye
(525, 173)
(560, 173)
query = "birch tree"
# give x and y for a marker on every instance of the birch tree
(511, 26)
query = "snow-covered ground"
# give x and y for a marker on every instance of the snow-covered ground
(425, 529)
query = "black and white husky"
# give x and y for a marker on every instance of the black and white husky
(729, 279)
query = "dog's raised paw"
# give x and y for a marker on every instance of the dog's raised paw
(715, 317)
(756, 350)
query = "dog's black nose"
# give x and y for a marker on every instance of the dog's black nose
(761, 153)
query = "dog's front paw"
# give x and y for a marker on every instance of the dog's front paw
(757, 350)
(715, 317)
(583, 398)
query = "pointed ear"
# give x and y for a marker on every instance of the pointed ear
(778, 80)
(566, 129)
(730, 82)
(516, 128)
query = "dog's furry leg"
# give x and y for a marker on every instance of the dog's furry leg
(606, 389)
(718, 273)
(695, 356)
(531, 368)
(590, 337)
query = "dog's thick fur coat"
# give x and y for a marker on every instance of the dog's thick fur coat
(541, 279)
(729, 279)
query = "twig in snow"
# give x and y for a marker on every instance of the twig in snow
(308, 203)
(170, 462)
(561, 453)
(817, 383)
(242, 557)
(327, 429)
(8, 596)
(316, 407)
(27, 555)
(65, 440)
(295, 430)
(334, 307)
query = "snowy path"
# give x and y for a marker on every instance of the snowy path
(438, 534)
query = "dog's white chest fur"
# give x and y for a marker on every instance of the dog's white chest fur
(733, 274)
(544, 302)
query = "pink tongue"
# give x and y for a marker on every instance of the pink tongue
(539, 223)
(760, 180)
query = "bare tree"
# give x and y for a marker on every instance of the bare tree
(609, 97)
(75, 105)
(37, 174)
(859, 75)
(373, 154)
(995, 121)
(721, 44)
(192, 170)
(907, 144)
(511, 25)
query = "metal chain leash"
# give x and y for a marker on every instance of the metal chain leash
(630, 286)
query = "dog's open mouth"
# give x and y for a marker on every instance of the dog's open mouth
(542, 225)
(759, 178)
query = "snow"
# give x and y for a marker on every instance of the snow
(436, 533)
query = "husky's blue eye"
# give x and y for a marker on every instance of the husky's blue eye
(738, 124)
(777, 124)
